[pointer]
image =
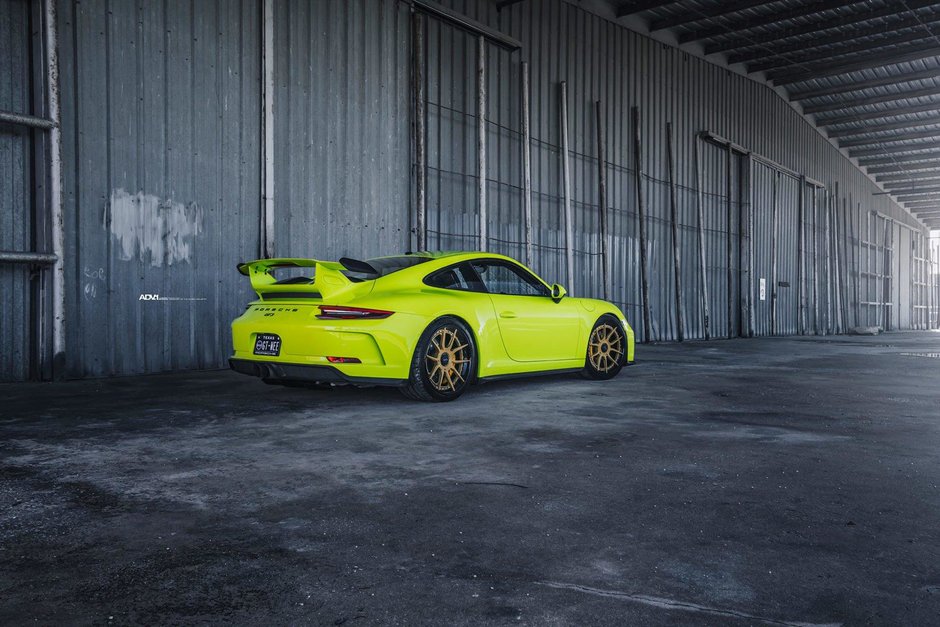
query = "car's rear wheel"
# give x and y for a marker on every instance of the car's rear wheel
(606, 349)
(444, 362)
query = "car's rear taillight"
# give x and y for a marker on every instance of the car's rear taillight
(337, 312)
(344, 360)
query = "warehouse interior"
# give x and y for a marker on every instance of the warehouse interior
(754, 183)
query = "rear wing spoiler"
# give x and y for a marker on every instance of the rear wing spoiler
(328, 276)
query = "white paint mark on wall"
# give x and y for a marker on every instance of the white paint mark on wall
(154, 230)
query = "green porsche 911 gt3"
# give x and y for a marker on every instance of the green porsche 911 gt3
(430, 323)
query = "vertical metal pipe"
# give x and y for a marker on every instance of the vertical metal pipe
(674, 218)
(51, 39)
(844, 264)
(828, 240)
(871, 285)
(700, 228)
(602, 197)
(857, 234)
(267, 129)
(885, 287)
(421, 202)
(815, 260)
(566, 188)
(800, 257)
(910, 282)
(836, 274)
(750, 244)
(526, 167)
(773, 254)
(641, 217)
(728, 243)
(481, 139)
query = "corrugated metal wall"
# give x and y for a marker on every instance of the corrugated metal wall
(342, 106)
(161, 125)
(15, 189)
(600, 60)
(161, 147)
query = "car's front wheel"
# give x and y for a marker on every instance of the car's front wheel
(444, 362)
(606, 349)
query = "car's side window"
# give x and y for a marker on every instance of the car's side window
(501, 277)
(456, 277)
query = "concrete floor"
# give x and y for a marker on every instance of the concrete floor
(774, 481)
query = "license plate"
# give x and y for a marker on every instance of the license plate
(267, 344)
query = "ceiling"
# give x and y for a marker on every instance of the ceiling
(867, 72)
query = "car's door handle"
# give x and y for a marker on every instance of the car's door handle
(507, 314)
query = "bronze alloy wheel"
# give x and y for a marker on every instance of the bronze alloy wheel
(605, 348)
(447, 361)
(444, 362)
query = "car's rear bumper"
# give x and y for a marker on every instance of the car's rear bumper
(279, 371)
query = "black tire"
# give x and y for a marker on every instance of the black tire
(606, 351)
(444, 362)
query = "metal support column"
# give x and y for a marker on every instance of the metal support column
(749, 169)
(267, 129)
(728, 243)
(641, 217)
(481, 139)
(421, 203)
(857, 234)
(526, 167)
(815, 261)
(828, 211)
(674, 219)
(566, 188)
(800, 258)
(773, 254)
(700, 228)
(602, 198)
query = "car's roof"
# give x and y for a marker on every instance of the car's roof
(448, 254)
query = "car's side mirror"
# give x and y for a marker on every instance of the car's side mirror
(558, 292)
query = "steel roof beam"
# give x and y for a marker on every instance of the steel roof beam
(763, 50)
(880, 128)
(934, 196)
(811, 26)
(871, 47)
(880, 81)
(854, 64)
(926, 176)
(752, 22)
(874, 115)
(641, 5)
(913, 190)
(890, 150)
(899, 158)
(904, 167)
(886, 139)
(869, 100)
(689, 16)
